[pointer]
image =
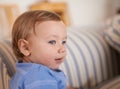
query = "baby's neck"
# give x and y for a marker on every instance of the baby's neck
(26, 60)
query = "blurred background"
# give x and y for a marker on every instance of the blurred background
(74, 12)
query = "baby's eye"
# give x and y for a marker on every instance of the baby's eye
(52, 42)
(63, 42)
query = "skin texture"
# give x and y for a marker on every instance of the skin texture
(47, 46)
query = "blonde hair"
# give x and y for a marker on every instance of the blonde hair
(25, 24)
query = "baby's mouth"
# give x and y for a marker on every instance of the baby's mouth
(59, 59)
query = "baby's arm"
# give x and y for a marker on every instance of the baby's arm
(41, 85)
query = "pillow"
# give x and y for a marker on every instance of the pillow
(112, 34)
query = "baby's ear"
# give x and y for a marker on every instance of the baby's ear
(24, 47)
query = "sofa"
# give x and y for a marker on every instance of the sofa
(90, 62)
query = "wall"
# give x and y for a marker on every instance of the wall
(87, 12)
(23, 4)
(82, 12)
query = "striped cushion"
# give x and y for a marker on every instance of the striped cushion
(1, 77)
(89, 59)
(7, 56)
(4, 76)
(112, 35)
(110, 84)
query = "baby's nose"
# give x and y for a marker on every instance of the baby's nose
(62, 49)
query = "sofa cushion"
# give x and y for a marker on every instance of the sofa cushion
(7, 56)
(90, 60)
(113, 83)
(112, 34)
(4, 76)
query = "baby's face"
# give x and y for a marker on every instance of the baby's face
(48, 45)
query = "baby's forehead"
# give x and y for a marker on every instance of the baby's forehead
(45, 21)
(49, 27)
(57, 36)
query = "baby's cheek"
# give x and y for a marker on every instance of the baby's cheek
(50, 56)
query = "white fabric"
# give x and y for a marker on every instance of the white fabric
(89, 59)
(112, 34)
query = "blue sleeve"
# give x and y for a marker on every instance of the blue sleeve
(49, 84)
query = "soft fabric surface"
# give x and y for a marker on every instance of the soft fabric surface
(89, 59)
(4, 76)
(112, 34)
(7, 56)
(110, 84)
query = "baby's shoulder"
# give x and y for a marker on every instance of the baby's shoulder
(37, 73)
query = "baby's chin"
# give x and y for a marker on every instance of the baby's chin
(54, 67)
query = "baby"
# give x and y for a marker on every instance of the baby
(39, 43)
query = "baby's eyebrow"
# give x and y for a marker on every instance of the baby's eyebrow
(65, 38)
(56, 36)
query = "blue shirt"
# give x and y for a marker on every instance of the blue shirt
(37, 76)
